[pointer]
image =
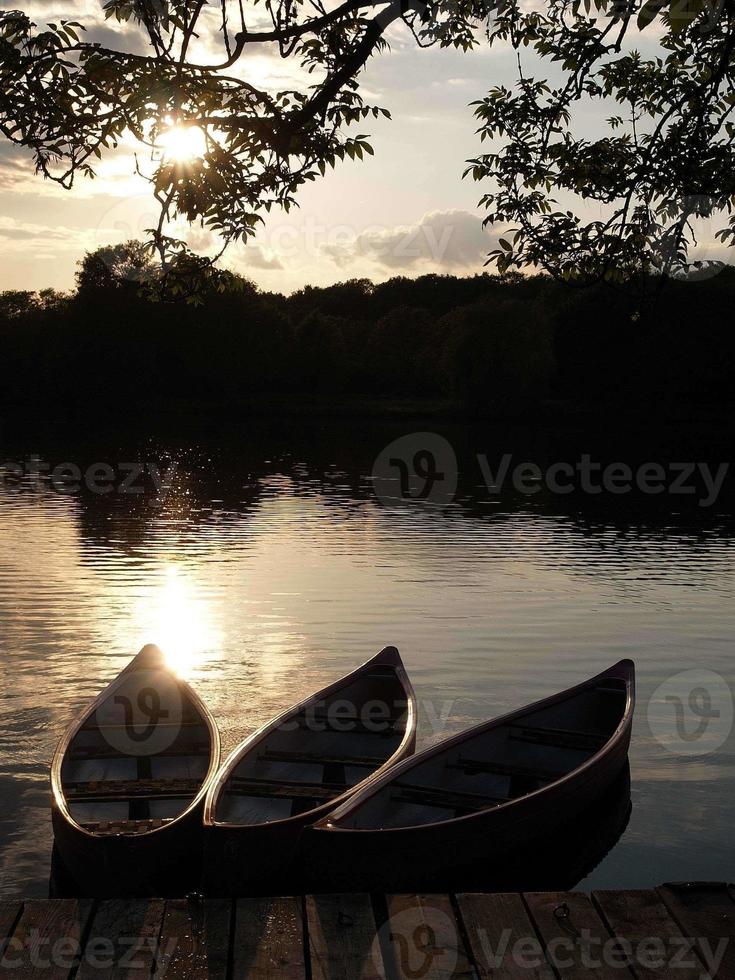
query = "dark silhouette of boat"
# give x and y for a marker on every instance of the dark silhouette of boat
(486, 791)
(298, 767)
(129, 778)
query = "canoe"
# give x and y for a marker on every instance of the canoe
(298, 767)
(128, 781)
(490, 789)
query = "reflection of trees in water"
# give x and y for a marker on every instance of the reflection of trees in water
(222, 481)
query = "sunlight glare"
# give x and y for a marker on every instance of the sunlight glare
(179, 623)
(183, 144)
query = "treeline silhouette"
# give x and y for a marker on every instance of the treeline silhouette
(492, 345)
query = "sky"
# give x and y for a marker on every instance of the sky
(405, 211)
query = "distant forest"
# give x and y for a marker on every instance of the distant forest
(485, 345)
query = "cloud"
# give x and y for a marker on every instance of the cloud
(41, 240)
(258, 257)
(16, 164)
(444, 240)
(25, 231)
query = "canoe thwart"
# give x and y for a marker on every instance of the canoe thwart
(318, 759)
(131, 789)
(110, 827)
(558, 738)
(477, 766)
(250, 786)
(445, 799)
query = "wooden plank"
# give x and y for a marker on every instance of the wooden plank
(577, 942)
(195, 940)
(280, 789)
(127, 826)
(268, 940)
(657, 945)
(317, 759)
(444, 798)
(109, 752)
(502, 939)
(557, 737)
(425, 940)
(9, 914)
(476, 766)
(46, 942)
(343, 941)
(132, 789)
(122, 941)
(706, 912)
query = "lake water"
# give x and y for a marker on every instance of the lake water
(270, 566)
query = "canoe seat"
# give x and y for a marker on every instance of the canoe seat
(187, 722)
(280, 789)
(110, 827)
(158, 789)
(315, 758)
(107, 751)
(477, 766)
(445, 799)
(339, 724)
(558, 738)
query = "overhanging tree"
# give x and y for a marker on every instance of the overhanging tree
(667, 156)
(70, 99)
(664, 157)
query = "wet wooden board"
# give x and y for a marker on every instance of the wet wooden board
(534, 936)
(195, 940)
(424, 939)
(658, 947)
(9, 915)
(268, 941)
(122, 940)
(343, 939)
(47, 939)
(575, 937)
(706, 912)
(502, 940)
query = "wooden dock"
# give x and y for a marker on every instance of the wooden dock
(682, 931)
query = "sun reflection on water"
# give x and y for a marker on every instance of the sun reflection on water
(178, 618)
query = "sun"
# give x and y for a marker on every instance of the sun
(183, 144)
(176, 616)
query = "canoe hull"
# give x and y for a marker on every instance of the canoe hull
(249, 861)
(383, 853)
(264, 859)
(260, 855)
(402, 859)
(107, 769)
(124, 866)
